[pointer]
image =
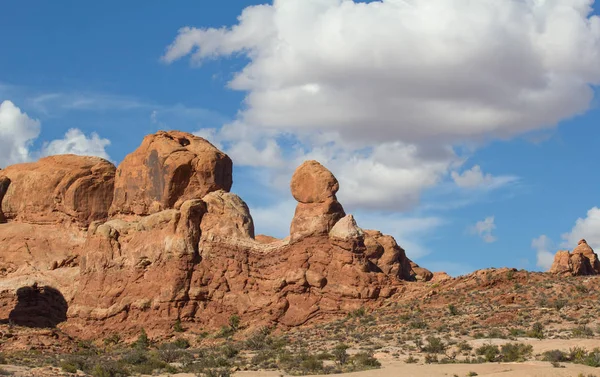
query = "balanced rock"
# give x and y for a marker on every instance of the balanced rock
(65, 188)
(166, 170)
(313, 183)
(582, 261)
(318, 210)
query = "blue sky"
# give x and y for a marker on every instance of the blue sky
(465, 130)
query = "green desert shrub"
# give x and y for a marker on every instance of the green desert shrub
(516, 352)
(489, 352)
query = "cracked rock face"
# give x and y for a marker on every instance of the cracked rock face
(176, 244)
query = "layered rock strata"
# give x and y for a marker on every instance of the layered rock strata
(161, 238)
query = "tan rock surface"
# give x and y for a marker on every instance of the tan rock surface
(346, 234)
(313, 183)
(65, 188)
(227, 216)
(318, 210)
(581, 262)
(167, 169)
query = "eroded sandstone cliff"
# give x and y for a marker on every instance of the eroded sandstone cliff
(161, 238)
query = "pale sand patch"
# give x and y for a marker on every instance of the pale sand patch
(399, 369)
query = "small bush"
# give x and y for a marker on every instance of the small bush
(516, 352)
(559, 304)
(181, 343)
(142, 341)
(464, 346)
(554, 356)
(177, 326)
(418, 324)
(577, 354)
(360, 312)
(108, 369)
(434, 345)
(234, 322)
(582, 332)
(365, 360)
(489, 352)
(452, 310)
(340, 354)
(68, 367)
(114, 339)
(537, 331)
(411, 360)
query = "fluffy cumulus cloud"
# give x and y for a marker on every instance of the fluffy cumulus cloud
(411, 78)
(543, 246)
(485, 229)
(18, 132)
(587, 228)
(76, 142)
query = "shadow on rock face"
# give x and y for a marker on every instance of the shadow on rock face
(39, 307)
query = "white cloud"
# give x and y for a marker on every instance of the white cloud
(475, 178)
(50, 103)
(409, 71)
(545, 257)
(274, 220)
(76, 142)
(388, 176)
(381, 92)
(484, 229)
(17, 133)
(587, 228)
(268, 156)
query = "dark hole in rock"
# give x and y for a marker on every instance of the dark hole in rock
(184, 142)
(39, 307)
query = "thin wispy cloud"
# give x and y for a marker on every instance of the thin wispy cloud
(485, 229)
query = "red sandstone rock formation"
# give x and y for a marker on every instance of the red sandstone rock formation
(55, 189)
(581, 262)
(314, 187)
(166, 170)
(178, 245)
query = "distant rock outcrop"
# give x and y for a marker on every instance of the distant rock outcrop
(176, 245)
(581, 262)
